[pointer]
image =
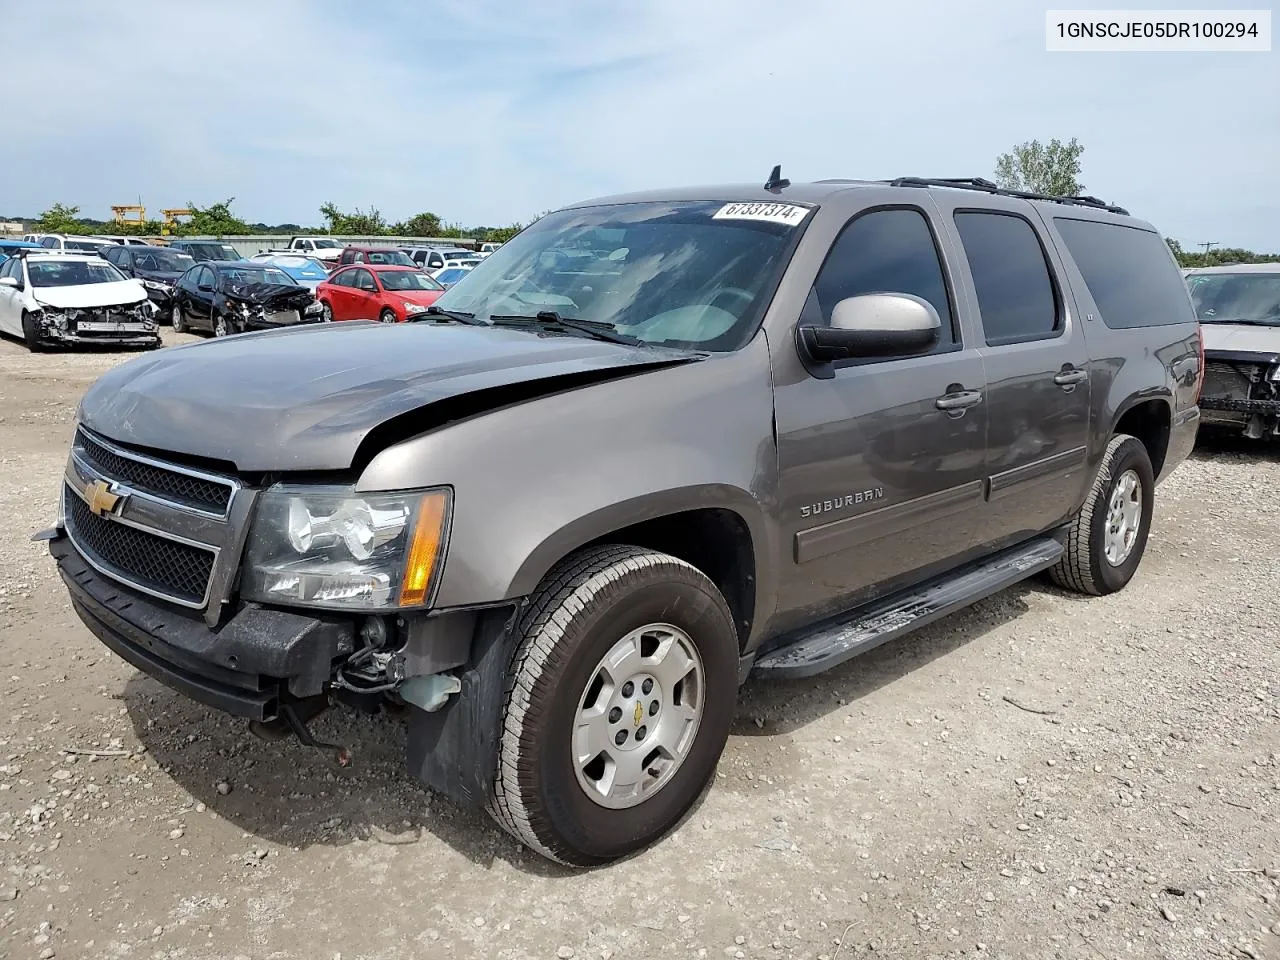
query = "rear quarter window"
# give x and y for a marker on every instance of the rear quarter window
(1129, 273)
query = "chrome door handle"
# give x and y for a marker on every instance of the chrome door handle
(1069, 378)
(958, 401)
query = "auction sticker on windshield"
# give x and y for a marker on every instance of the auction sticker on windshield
(787, 213)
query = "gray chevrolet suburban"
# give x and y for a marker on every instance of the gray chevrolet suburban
(654, 445)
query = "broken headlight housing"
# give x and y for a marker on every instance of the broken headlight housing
(333, 548)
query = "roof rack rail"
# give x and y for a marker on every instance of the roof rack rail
(986, 186)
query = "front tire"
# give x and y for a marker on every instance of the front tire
(30, 335)
(1108, 536)
(222, 326)
(387, 316)
(177, 320)
(618, 705)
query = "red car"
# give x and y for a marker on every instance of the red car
(391, 294)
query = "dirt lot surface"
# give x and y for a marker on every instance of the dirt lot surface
(1040, 776)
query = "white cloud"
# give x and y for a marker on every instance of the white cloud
(487, 112)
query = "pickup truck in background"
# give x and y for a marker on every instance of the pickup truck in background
(665, 442)
(321, 248)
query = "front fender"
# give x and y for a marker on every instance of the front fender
(536, 480)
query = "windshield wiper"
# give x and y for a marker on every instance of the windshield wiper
(551, 319)
(439, 315)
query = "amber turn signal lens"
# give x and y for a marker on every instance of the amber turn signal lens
(424, 549)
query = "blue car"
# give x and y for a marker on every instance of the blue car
(306, 270)
(7, 247)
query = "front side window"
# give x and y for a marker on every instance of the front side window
(364, 280)
(680, 273)
(1129, 272)
(72, 273)
(49, 242)
(1016, 296)
(325, 245)
(1248, 298)
(164, 261)
(884, 251)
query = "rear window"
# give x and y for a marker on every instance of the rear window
(1130, 273)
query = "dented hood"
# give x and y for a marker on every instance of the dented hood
(304, 398)
(112, 294)
(269, 294)
(1241, 338)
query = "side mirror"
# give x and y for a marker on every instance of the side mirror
(873, 325)
(8, 282)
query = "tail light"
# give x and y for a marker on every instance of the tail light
(1200, 351)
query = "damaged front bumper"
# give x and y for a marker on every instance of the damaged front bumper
(1241, 393)
(134, 325)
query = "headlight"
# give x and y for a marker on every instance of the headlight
(331, 547)
(413, 307)
(314, 307)
(157, 285)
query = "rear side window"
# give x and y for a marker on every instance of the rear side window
(1130, 273)
(1016, 297)
(886, 251)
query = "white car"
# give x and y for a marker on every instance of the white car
(58, 241)
(448, 276)
(487, 248)
(73, 298)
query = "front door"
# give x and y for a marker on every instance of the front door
(1037, 367)
(202, 298)
(10, 308)
(881, 466)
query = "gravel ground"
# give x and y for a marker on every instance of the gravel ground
(1041, 776)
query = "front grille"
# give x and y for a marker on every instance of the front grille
(159, 564)
(1225, 380)
(181, 488)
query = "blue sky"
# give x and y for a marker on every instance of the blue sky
(491, 112)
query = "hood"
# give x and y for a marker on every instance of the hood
(424, 297)
(276, 401)
(269, 294)
(113, 294)
(163, 276)
(1241, 338)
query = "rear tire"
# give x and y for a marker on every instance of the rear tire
(581, 779)
(326, 312)
(1108, 535)
(29, 334)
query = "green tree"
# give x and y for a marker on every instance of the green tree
(1052, 168)
(216, 220)
(502, 234)
(1218, 256)
(61, 218)
(359, 223)
(420, 225)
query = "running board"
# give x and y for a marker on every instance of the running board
(871, 625)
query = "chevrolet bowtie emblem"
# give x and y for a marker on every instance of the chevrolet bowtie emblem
(639, 715)
(101, 499)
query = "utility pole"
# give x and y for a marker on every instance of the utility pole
(1206, 245)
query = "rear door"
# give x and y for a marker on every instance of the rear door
(881, 466)
(1036, 360)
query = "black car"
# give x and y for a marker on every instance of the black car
(231, 296)
(157, 267)
(206, 249)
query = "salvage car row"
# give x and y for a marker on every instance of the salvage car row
(101, 292)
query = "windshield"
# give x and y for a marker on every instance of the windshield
(166, 261)
(93, 245)
(406, 280)
(458, 255)
(679, 273)
(71, 273)
(240, 276)
(397, 257)
(327, 244)
(300, 267)
(1236, 297)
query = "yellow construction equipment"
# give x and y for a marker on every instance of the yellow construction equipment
(171, 219)
(122, 214)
